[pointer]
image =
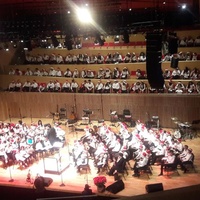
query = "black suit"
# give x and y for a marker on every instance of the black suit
(117, 166)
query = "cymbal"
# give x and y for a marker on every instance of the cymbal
(174, 118)
(177, 122)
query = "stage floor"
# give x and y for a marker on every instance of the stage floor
(71, 181)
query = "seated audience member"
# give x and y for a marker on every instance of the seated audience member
(26, 86)
(89, 86)
(188, 56)
(18, 72)
(109, 58)
(100, 73)
(118, 165)
(11, 86)
(52, 59)
(100, 59)
(127, 58)
(52, 72)
(117, 58)
(176, 73)
(37, 72)
(75, 73)
(87, 190)
(28, 72)
(139, 74)
(86, 59)
(11, 71)
(124, 87)
(168, 161)
(179, 88)
(142, 57)
(18, 86)
(28, 59)
(133, 58)
(167, 57)
(68, 59)
(74, 59)
(34, 86)
(167, 74)
(90, 74)
(140, 164)
(39, 59)
(44, 72)
(198, 87)
(82, 88)
(83, 73)
(181, 56)
(46, 59)
(190, 41)
(42, 87)
(170, 87)
(66, 87)
(59, 59)
(57, 86)
(80, 58)
(93, 59)
(108, 73)
(185, 74)
(99, 87)
(125, 73)
(74, 86)
(116, 73)
(197, 41)
(135, 88)
(107, 87)
(116, 86)
(59, 73)
(194, 56)
(143, 87)
(183, 42)
(195, 74)
(50, 86)
(68, 73)
(190, 88)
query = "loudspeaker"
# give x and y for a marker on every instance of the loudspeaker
(174, 62)
(154, 187)
(116, 187)
(153, 60)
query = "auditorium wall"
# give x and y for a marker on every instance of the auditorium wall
(142, 106)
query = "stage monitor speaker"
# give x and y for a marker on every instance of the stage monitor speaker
(174, 63)
(116, 187)
(154, 187)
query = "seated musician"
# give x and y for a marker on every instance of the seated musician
(101, 161)
(140, 164)
(118, 165)
(167, 161)
(82, 160)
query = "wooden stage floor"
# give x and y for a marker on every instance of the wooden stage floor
(74, 182)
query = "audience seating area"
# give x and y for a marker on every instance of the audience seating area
(55, 68)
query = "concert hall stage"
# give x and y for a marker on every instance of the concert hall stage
(69, 181)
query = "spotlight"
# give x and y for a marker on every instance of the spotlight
(184, 6)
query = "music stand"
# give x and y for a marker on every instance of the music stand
(88, 113)
(113, 117)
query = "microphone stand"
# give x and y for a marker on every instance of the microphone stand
(9, 114)
(11, 179)
(62, 183)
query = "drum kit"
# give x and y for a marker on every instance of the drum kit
(183, 129)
